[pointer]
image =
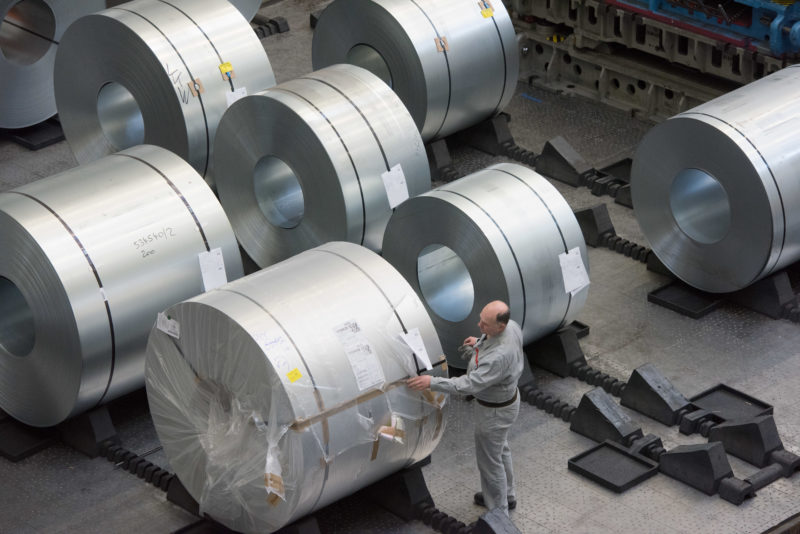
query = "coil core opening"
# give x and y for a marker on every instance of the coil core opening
(27, 32)
(17, 329)
(366, 57)
(445, 282)
(120, 116)
(278, 192)
(700, 206)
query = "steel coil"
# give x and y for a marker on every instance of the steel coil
(453, 63)
(248, 8)
(304, 162)
(715, 188)
(151, 71)
(89, 257)
(285, 390)
(499, 233)
(30, 31)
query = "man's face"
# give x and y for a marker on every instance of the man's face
(488, 323)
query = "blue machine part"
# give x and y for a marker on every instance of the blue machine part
(770, 24)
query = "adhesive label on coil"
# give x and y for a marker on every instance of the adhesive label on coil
(212, 267)
(294, 375)
(394, 180)
(233, 96)
(573, 270)
(169, 326)
(486, 8)
(363, 358)
(414, 341)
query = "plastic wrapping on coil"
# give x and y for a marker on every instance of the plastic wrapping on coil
(453, 63)
(89, 257)
(160, 72)
(29, 36)
(324, 157)
(501, 233)
(715, 188)
(285, 391)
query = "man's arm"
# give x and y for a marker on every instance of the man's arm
(486, 374)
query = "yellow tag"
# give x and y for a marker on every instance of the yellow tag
(225, 68)
(487, 13)
(294, 375)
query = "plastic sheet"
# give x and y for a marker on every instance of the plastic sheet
(715, 188)
(453, 63)
(317, 159)
(500, 233)
(88, 259)
(285, 390)
(156, 72)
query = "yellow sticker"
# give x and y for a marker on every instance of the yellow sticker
(225, 68)
(294, 375)
(487, 13)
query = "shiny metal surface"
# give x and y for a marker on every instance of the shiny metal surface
(122, 77)
(495, 234)
(445, 88)
(248, 8)
(29, 34)
(301, 164)
(259, 385)
(89, 257)
(715, 188)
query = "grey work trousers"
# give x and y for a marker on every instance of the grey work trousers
(493, 453)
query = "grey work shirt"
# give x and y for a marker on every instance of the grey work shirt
(494, 377)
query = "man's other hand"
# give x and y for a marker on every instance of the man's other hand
(419, 382)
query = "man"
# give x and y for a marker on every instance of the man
(495, 366)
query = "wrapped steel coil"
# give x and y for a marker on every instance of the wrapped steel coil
(715, 188)
(500, 233)
(30, 31)
(453, 63)
(90, 256)
(156, 72)
(284, 391)
(314, 160)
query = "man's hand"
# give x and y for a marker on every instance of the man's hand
(470, 341)
(419, 382)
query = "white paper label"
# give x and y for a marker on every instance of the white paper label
(573, 270)
(395, 183)
(414, 341)
(168, 326)
(363, 358)
(233, 96)
(212, 267)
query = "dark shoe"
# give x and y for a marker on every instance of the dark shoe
(512, 503)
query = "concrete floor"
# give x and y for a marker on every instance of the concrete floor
(60, 490)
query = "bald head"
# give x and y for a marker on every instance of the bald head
(494, 318)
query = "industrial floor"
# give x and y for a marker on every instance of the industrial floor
(59, 490)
